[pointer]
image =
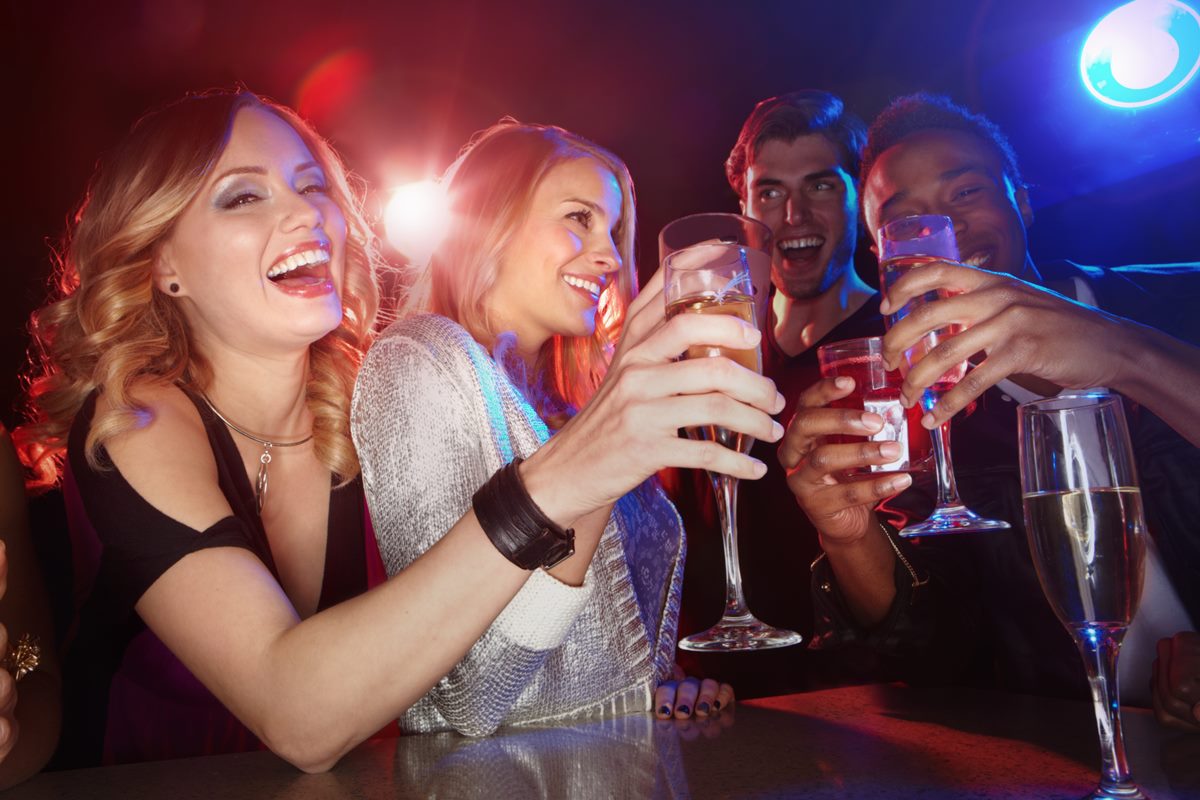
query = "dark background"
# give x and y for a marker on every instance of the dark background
(399, 86)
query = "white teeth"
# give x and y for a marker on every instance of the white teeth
(979, 260)
(297, 260)
(582, 283)
(803, 241)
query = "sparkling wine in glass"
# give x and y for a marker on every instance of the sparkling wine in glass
(877, 390)
(725, 228)
(714, 278)
(906, 244)
(1083, 516)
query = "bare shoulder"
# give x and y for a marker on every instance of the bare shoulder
(168, 460)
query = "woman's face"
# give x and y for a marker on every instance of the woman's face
(561, 257)
(259, 253)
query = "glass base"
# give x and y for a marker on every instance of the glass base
(734, 634)
(1118, 791)
(954, 519)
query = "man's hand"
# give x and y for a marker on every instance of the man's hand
(1024, 330)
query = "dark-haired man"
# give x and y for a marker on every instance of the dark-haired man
(795, 168)
(983, 613)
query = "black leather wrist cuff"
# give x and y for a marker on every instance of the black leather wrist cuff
(517, 527)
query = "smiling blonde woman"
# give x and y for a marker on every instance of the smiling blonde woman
(498, 405)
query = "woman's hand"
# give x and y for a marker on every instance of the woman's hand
(840, 507)
(1175, 681)
(1025, 330)
(682, 697)
(629, 430)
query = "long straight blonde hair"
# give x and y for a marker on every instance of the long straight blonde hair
(490, 187)
(107, 327)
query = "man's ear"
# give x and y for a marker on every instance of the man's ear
(742, 206)
(1021, 195)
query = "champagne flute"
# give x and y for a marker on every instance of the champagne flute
(729, 229)
(906, 244)
(1083, 516)
(714, 278)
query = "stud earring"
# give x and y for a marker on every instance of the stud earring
(174, 287)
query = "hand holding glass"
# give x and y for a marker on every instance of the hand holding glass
(715, 279)
(906, 244)
(1083, 516)
(877, 391)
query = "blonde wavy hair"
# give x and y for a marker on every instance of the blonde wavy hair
(107, 327)
(489, 188)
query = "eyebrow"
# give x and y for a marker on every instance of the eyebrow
(596, 207)
(948, 175)
(832, 172)
(951, 174)
(256, 170)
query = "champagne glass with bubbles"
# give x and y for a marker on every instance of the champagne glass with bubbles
(714, 277)
(1083, 516)
(906, 244)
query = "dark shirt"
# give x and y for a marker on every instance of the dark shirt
(126, 697)
(777, 543)
(982, 619)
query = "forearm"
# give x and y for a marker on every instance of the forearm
(1163, 374)
(864, 568)
(312, 690)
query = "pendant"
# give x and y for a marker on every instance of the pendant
(260, 486)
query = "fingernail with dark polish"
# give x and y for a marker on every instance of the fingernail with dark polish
(665, 711)
(684, 710)
(702, 708)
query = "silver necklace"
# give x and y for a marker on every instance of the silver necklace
(260, 485)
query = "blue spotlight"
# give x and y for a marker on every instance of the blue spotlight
(1141, 53)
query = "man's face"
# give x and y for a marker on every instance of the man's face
(803, 193)
(959, 175)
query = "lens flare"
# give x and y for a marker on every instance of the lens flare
(415, 219)
(1141, 53)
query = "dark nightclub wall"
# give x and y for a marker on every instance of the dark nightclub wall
(399, 86)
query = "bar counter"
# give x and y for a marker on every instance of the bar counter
(879, 741)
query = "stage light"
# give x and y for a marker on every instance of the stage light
(1141, 53)
(415, 219)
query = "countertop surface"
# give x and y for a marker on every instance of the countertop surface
(864, 741)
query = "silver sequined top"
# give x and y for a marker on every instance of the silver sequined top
(433, 418)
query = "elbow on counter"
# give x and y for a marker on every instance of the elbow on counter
(311, 750)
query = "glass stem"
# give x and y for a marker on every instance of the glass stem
(947, 487)
(735, 599)
(1100, 649)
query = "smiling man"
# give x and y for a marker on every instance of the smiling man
(982, 617)
(794, 167)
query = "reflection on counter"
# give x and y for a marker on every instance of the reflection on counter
(632, 756)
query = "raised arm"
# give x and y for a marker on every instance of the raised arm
(1027, 330)
(841, 509)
